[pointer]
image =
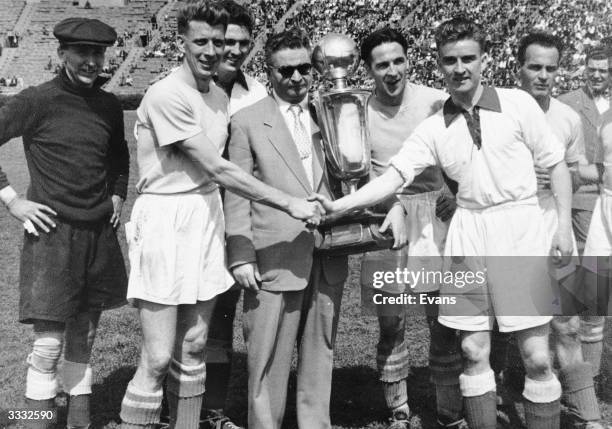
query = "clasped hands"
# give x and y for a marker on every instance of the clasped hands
(313, 210)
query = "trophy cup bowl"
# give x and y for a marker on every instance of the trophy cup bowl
(342, 114)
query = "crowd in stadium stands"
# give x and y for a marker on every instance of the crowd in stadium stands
(578, 22)
(268, 12)
(165, 46)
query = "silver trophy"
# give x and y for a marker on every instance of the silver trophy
(342, 114)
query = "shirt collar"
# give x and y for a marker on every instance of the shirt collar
(285, 105)
(489, 100)
(241, 79)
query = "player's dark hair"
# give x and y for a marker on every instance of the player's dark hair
(238, 15)
(210, 12)
(540, 38)
(378, 37)
(459, 28)
(292, 38)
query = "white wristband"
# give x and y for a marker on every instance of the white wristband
(7, 195)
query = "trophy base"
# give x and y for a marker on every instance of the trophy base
(353, 234)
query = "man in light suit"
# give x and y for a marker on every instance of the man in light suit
(291, 294)
(590, 102)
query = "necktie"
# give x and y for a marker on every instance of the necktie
(473, 123)
(301, 137)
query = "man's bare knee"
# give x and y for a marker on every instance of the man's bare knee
(156, 363)
(192, 348)
(537, 364)
(475, 351)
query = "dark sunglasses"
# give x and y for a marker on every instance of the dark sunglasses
(287, 71)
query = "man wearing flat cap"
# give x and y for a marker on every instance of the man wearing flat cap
(71, 263)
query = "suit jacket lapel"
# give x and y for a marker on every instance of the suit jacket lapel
(281, 139)
(318, 164)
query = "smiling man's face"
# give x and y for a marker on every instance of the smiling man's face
(237, 47)
(461, 64)
(387, 65)
(203, 46)
(83, 63)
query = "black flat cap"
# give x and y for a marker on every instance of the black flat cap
(84, 31)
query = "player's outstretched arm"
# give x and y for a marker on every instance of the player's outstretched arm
(236, 180)
(370, 194)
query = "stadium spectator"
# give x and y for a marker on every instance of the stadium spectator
(144, 37)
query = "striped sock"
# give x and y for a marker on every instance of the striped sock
(577, 383)
(140, 408)
(396, 394)
(392, 361)
(185, 390)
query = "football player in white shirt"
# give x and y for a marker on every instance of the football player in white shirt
(539, 55)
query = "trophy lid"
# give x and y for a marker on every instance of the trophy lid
(336, 56)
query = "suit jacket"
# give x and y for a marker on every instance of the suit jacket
(582, 102)
(281, 246)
